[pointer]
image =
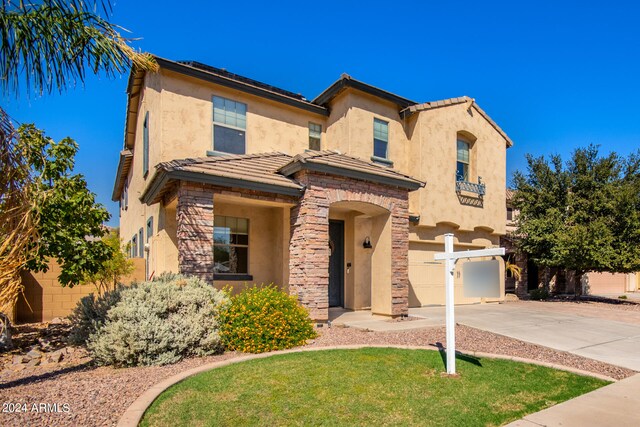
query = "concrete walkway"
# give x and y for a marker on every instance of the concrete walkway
(605, 340)
(614, 405)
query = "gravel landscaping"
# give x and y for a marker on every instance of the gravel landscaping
(97, 396)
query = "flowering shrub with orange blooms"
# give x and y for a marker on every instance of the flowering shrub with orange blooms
(261, 319)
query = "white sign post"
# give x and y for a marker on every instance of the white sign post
(450, 258)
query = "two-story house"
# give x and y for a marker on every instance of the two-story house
(343, 199)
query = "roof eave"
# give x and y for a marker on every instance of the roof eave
(346, 82)
(408, 184)
(121, 174)
(409, 111)
(244, 87)
(162, 177)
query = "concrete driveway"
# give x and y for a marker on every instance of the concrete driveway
(554, 326)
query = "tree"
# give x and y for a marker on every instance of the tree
(583, 215)
(49, 45)
(69, 219)
(113, 269)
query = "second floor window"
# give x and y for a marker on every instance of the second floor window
(315, 133)
(229, 125)
(230, 245)
(145, 145)
(462, 164)
(380, 138)
(509, 214)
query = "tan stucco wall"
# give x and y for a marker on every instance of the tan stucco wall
(44, 298)
(350, 127)
(423, 146)
(433, 159)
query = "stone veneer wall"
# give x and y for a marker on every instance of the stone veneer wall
(309, 249)
(195, 224)
(195, 231)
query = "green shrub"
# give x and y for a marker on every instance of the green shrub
(539, 294)
(261, 319)
(160, 322)
(622, 297)
(90, 314)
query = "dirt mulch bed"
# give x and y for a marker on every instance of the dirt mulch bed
(98, 396)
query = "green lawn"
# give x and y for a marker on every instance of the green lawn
(374, 386)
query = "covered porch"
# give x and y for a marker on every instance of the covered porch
(328, 228)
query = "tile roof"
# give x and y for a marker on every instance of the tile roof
(510, 192)
(454, 101)
(259, 167)
(268, 172)
(334, 161)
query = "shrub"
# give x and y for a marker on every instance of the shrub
(160, 322)
(261, 319)
(622, 297)
(539, 294)
(90, 314)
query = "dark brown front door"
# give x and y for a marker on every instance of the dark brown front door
(336, 263)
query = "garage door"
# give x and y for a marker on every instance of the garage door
(426, 276)
(607, 283)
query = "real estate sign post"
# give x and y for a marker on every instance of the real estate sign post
(450, 258)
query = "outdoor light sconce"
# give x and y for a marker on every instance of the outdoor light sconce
(367, 243)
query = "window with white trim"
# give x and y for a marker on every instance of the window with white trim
(380, 138)
(229, 125)
(315, 134)
(230, 245)
(462, 162)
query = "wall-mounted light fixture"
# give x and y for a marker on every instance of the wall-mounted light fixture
(367, 243)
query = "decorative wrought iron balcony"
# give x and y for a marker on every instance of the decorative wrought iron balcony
(471, 187)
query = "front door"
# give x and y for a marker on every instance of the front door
(336, 263)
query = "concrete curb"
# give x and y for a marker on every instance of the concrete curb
(134, 413)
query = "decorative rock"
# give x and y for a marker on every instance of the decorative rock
(5, 333)
(19, 358)
(34, 354)
(33, 362)
(55, 357)
(56, 321)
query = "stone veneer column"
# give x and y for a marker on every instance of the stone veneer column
(309, 251)
(400, 257)
(195, 231)
(309, 248)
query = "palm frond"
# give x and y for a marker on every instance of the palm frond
(52, 44)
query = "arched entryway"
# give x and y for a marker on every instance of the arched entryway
(360, 256)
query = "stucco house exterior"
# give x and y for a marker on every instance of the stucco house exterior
(343, 199)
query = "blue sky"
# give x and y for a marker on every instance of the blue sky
(554, 76)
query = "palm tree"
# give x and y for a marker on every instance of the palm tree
(51, 44)
(46, 45)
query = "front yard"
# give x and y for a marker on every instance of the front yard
(100, 395)
(374, 386)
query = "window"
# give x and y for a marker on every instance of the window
(509, 214)
(149, 228)
(125, 196)
(230, 245)
(315, 133)
(380, 138)
(462, 164)
(134, 246)
(145, 145)
(141, 243)
(229, 124)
